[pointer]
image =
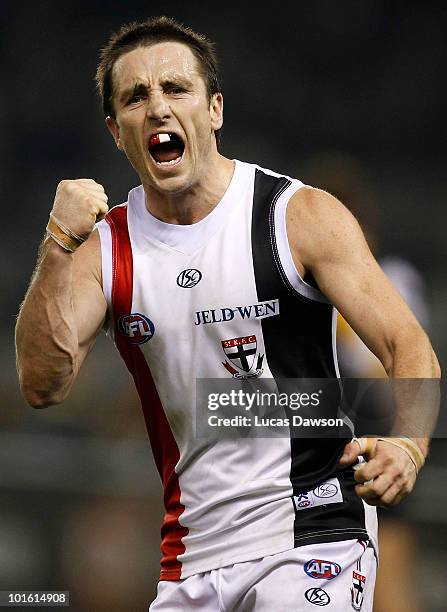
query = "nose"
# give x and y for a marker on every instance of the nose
(158, 107)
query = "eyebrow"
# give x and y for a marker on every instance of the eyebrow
(140, 87)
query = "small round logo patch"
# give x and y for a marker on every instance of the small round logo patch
(326, 490)
(189, 278)
(136, 327)
(318, 597)
(304, 504)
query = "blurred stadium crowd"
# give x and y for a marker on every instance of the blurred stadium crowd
(347, 96)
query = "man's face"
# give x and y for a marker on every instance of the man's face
(158, 90)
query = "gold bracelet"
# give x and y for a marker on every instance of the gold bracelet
(410, 447)
(61, 234)
(368, 445)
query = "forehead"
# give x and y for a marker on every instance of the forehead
(155, 62)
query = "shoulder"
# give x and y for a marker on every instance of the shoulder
(316, 206)
(318, 224)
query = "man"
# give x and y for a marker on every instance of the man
(216, 268)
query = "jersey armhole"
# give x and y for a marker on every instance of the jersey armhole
(105, 239)
(283, 247)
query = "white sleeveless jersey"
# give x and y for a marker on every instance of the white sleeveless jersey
(219, 299)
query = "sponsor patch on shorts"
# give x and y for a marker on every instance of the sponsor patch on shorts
(328, 492)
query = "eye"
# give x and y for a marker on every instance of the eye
(136, 99)
(175, 90)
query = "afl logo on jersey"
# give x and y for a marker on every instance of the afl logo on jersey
(326, 570)
(189, 278)
(136, 327)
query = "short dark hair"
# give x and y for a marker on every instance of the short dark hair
(147, 33)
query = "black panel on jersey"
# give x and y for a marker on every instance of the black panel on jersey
(300, 338)
(298, 344)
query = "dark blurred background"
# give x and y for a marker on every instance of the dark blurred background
(348, 96)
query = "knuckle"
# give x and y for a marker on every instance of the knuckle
(71, 187)
(375, 489)
(386, 499)
(407, 488)
(388, 461)
(395, 474)
(65, 185)
(398, 482)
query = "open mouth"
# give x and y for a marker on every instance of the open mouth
(166, 149)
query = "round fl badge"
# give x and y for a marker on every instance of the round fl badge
(136, 327)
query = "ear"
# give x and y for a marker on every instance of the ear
(114, 129)
(216, 111)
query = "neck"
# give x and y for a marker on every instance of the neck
(195, 203)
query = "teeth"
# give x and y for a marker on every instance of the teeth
(164, 138)
(169, 163)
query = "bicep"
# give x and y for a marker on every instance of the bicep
(331, 245)
(89, 303)
(359, 289)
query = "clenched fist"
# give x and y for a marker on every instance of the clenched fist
(79, 204)
(387, 476)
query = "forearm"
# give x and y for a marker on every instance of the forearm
(415, 371)
(46, 334)
(411, 356)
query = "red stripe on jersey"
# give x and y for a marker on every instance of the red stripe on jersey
(164, 446)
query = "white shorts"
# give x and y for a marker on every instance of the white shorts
(337, 576)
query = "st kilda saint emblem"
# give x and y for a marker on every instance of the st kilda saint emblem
(242, 353)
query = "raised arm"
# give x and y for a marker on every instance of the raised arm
(64, 307)
(327, 242)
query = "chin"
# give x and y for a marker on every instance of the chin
(178, 180)
(171, 184)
